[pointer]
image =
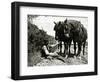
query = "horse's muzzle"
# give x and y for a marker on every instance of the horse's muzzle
(67, 35)
(56, 37)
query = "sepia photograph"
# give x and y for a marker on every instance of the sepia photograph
(57, 40)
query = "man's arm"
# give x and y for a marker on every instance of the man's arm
(47, 52)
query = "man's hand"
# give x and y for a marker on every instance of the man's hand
(55, 54)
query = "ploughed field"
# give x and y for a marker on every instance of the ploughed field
(37, 60)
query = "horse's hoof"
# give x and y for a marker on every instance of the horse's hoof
(74, 57)
(79, 57)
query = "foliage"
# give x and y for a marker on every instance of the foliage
(36, 39)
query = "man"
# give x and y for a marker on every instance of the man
(50, 55)
(46, 47)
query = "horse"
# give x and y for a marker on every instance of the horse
(78, 33)
(59, 35)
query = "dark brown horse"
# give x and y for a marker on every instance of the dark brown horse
(78, 33)
(59, 34)
(61, 37)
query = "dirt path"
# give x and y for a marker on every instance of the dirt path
(68, 61)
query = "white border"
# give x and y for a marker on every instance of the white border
(25, 70)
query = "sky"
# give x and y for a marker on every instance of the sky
(47, 22)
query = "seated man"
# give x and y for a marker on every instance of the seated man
(45, 48)
(50, 55)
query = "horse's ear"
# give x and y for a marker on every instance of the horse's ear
(60, 22)
(54, 22)
(65, 21)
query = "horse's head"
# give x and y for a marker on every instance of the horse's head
(67, 29)
(57, 29)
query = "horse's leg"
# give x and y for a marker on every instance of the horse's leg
(79, 49)
(69, 46)
(64, 48)
(84, 47)
(74, 48)
(60, 47)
